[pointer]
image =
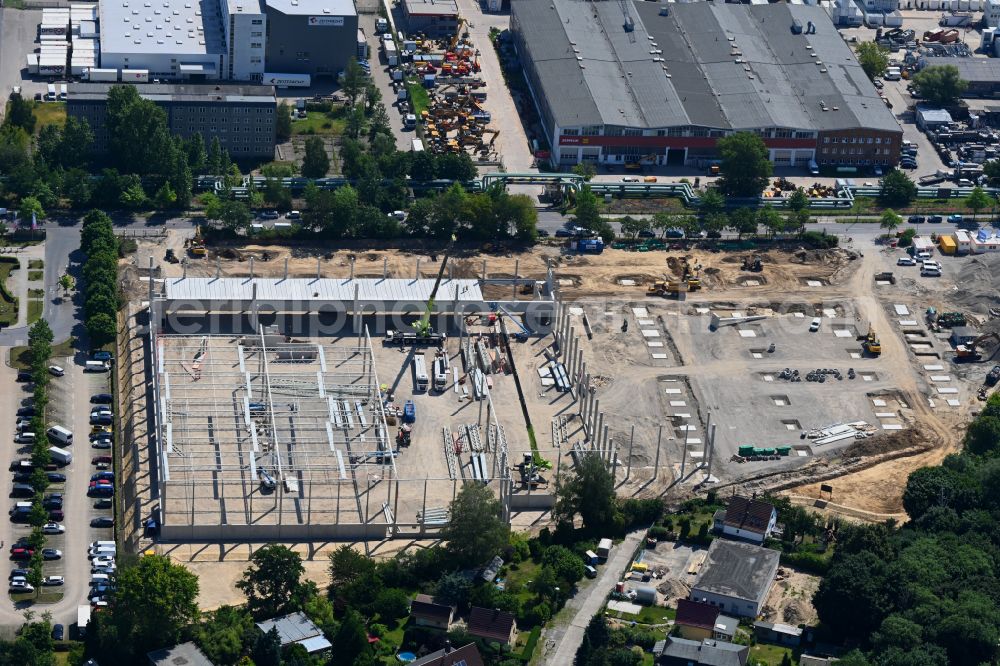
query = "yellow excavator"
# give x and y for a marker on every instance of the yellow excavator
(872, 344)
(196, 246)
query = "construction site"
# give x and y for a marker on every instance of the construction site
(308, 395)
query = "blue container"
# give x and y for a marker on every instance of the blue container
(409, 412)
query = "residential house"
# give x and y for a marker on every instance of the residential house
(747, 519)
(187, 654)
(428, 613)
(776, 632)
(297, 628)
(492, 625)
(449, 656)
(682, 652)
(736, 577)
(697, 621)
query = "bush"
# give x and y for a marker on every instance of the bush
(391, 604)
(641, 512)
(805, 561)
(818, 240)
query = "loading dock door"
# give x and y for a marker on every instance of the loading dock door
(675, 156)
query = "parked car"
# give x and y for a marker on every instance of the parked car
(21, 554)
(22, 477)
(543, 233)
(102, 521)
(102, 504)
(51, 554)
(104, 476)
(19, 586)
(630, 179)
(646, 233)
(816, 323)
(916, 219)
(102, 562)
(56, 371)
(100, 460)
(102, 399)
(56, 514)
(53, 528)
(101, 355)
(935, 219)
(905, 261)
(53, 581)
(26, 411)
(101, 491)
(101, 443)
(955, 219)
(56, 477)
(563, 233)
(101, 420)
(58, 632)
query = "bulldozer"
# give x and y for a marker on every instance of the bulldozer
(196, 245)
(872, 345)
(970, 351)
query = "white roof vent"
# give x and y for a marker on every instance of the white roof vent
(326, 10)
(201, 41)
(159, 41)
(156, 11)
(128, 34)
(149, 19)
(149, 34)
(180, 41)
(138, 41)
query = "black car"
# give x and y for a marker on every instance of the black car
(23, 573)
(53, 501)
(102, 521)
(56, 515)
(916, 219)
(22, 477)
(23, 376)
(26, 411)
(563, 233)
(543, 233)
(935, 219)
(58, 632)
(51, 554)
(101, 419)
(102, 399)
(102, 504)
(56, 477)
(646, 233)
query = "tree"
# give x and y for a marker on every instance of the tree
(351, 642)
(154, 600)
(165, 196)
(771, 220)
(316, 162)
(346, 566)
(889, 221)
(234, 215)
(77, 141)
(453, 588)
(476, 531)
(267, 649)
(977, 200)
(196, 155)
(355, 122)
(567, 565)
(272, 582)
(856, 595)
(743, 221)
(76, 187)
(897, 189)
(873, 58)
(30, 207)
(983, 435)
(712, 202)
(745, 166)
(20, 113)
(799, 200)
(67, 282)
(223, 633)
(590, 493)
(353, 81)
(585, 169)
(392, 604)
(283, 124)
(214, 159)
(586, 212)
(939, 84)
(992, 171)
(138, 137)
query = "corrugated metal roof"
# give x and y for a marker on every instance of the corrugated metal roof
(324, 289)
(725, 66)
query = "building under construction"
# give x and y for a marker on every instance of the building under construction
(272, 420)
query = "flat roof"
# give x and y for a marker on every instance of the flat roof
(974, 70)
(726, 66)
(738, 570)
(178, 92)
(187, 654)
(318, 8)
(432, 7)
(157, 27)
(296, 628)
(323, 289)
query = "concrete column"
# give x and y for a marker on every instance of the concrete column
(613, 458)
(656, 462)
(578, 362)
(628, 463)
(484, 269)
(354, 310)
(385, 268)
(251, 267)
(600, 432)
(711, 454)
(416, 274)
(705, 449)
(352, 267)
(286, 267)
(684, 455)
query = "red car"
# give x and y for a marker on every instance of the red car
(21, 554)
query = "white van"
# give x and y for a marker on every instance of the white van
(60, 434)
(63, 92)
(96, 366)
(440, 375)
(99, 578)
(105, 544)
(50, 94)
(102, 552)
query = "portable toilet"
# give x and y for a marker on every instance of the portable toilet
(409, 412)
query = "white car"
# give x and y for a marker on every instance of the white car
(21, 586)
(53, 580)
(56, 371)
(100, 562)
(814, 326)
(53, 528)
(923, 254)
(930, 271)
(905, 261)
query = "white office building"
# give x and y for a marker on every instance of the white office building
(244, 23)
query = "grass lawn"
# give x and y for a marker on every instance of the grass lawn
(42, 598)
(19, 355)
(648, 615)
(49, 113)
(36, 293)
(767, 654)
(317, 122)
(34, 310)
(36, 263)
(418, 97)
(35, 275)
(8, 311)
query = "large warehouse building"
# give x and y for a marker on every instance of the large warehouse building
(625, 82)
(241, 116)
(227, 39)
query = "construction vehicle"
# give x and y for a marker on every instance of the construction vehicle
(872, 345)
(523, 331)
(196, 245)
(970, 351)
(993, 376)
(667, 287)
(752, 264)
(951, 319)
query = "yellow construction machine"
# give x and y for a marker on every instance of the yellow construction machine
(872, 344)
(196, 245)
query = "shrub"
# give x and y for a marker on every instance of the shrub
(818, 240)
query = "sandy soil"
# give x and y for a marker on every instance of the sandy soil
(790, 600)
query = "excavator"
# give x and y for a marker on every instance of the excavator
(872, 345)
(970, 352)
(196, 246)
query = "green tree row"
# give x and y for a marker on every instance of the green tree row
(100, 277)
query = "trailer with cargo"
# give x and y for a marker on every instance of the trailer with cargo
(102, 75)
(281, 80)
(604, 549)
(135, 76)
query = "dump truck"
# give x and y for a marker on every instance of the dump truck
(666, 287)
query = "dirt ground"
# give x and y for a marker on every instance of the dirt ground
(840, 279)
(790, 600)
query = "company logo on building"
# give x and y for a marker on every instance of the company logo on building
(326, 20)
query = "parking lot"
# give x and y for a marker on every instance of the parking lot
(69, 407)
